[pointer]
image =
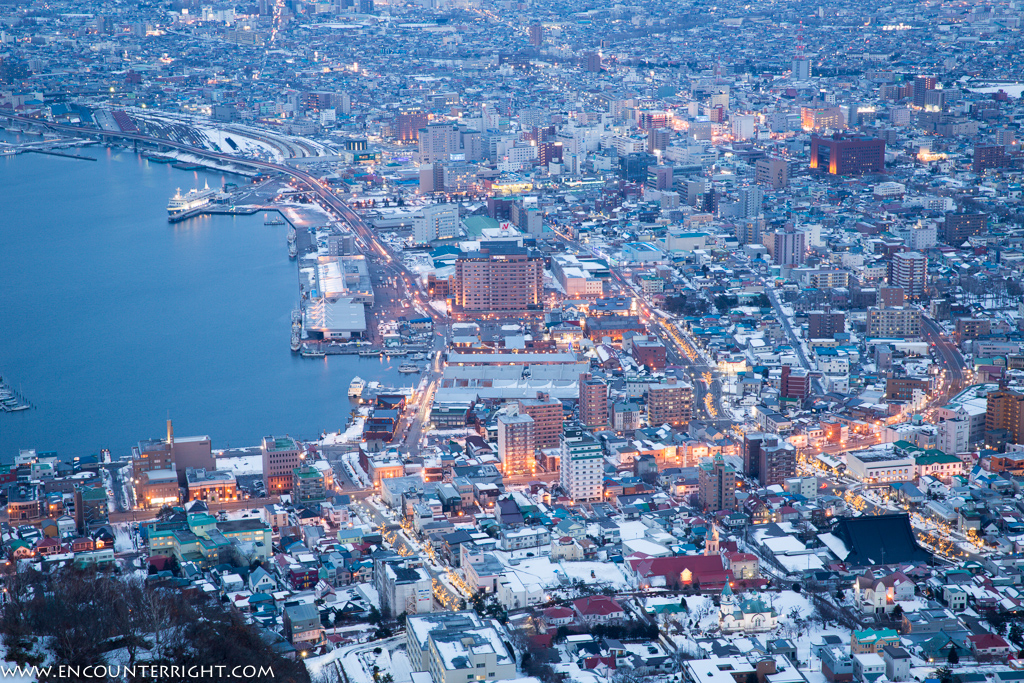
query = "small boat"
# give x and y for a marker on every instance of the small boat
(293, 251)
(417, 356)
(308, 352)
(271, 218)
(395, 352)
(355, 389)
(369, 354)
(408, 367)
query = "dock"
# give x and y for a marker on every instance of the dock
(59, 154)
(11, 400)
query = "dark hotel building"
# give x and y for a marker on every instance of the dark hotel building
(847, 154)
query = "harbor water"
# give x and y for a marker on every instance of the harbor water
(111, 319)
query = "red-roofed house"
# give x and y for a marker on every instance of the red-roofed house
(707, 573)
(743, 565)
(558, 616)
(599, 609)
(49, 546)
(989, 647)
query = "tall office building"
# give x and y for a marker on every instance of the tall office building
(548, 417)
(438, 141)
(409, 124)
(281, 455)
(669, 403)
(847, 154)
(592, 62)
(593, 401)
(536, 35)
(516, 444)
(790, 246)
(909, 270)
(772, 171)
(502, 279)
(582, 466)
(801, 69)
(716, 485)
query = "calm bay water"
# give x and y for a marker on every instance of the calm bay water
(111, 319)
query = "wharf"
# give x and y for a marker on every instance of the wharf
(215, 210)
(337, 349)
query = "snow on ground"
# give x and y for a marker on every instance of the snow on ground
(241, 464)
(439, 306)
(123, 538)
(246, 146)
(543, 571)
(630, 531)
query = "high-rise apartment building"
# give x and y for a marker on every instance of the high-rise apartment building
(548, 418)
(1004, 417)
(958, 227)
(592, 62)
(582, 466)
(909, 270)
(794, 383)
(847, 154)
(670, 403)
(516, 444)
(716, 485)
(750, 201)
(825, 324)
(777, 461)
(894, 322)
(989, 156)
(922, 84)
(435, 222)
(502, 279)
(593, 401)
(891, 296)
(790, 246)
(281, 455)
(752, 453)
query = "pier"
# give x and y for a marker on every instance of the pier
(215, 210)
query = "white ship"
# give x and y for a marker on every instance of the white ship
(193, 199)
(355, 390)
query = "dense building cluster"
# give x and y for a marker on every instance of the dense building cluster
(720, 307)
